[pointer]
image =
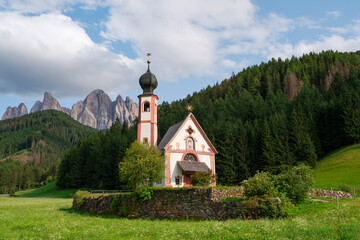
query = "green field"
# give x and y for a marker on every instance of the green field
(48, 191)
(339, 167)
(41, 218)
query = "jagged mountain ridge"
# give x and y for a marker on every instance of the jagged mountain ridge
(97, 110)
(12, 112)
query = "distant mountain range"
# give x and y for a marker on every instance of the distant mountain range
(96, 111)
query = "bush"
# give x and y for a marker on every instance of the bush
(79, 198)
(232, 199)
(268, 207)
(115, 204)
(142, 166)
(49, 179)
(346, 188)
(202, 178)
(295, 183)
(261, 184)
(145, 193)
(12, 193)
(274, 207)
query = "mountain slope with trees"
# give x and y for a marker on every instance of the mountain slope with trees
(276, 114)
(267, 117)
(32, 145)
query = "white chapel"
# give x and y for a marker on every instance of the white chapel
(185, 146)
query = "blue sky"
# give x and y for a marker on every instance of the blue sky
(74, 47)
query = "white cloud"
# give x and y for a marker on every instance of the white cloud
(306, 22)
(203, 37)
(51, 52)
(334, 42)
(334, 14)
(192, 37)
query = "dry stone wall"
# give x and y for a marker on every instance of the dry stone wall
(205, 203)
(328, 193)
(171, 203)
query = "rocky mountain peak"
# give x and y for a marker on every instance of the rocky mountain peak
(49, 102)
(96, 110)
(48, 96)
(12, 112)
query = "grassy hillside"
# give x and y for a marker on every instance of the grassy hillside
(48, 191)
(339, 167)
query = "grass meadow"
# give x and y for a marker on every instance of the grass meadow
(46, 218)
(338, 168)
(48, 191)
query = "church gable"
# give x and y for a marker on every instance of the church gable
(187, 150)
(190, 136)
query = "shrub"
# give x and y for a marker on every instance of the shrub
(232, 199)
(79, 198)
(274, 207)
(49, 179)
(145, 193)
(142, 166)
(115, 204)
(202, 178)
(12, 193)
(346, 188)
(261, 184)
(267, 207)
(295, 182)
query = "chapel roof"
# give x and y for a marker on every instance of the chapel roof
(169, 135)
(188, 166)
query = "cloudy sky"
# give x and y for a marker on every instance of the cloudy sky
(71, 47)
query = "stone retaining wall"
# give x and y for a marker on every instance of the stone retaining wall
(172, 203)
(328, 193)
(184, 203)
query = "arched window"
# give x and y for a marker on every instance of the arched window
(146, 107)
(190, 143)
(190, 157)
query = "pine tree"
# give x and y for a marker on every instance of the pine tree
(302, 145)
(351, 113)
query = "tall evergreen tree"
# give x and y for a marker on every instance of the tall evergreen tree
(302, 145)
(351, 113)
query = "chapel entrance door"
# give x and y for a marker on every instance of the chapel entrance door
(187, 180)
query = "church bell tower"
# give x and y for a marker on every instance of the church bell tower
(147, 126)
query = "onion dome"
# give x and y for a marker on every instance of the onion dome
(148, 81)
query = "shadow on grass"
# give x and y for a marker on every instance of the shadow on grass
(109, 216)
(82, 213)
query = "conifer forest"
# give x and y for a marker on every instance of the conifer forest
(268, 117)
